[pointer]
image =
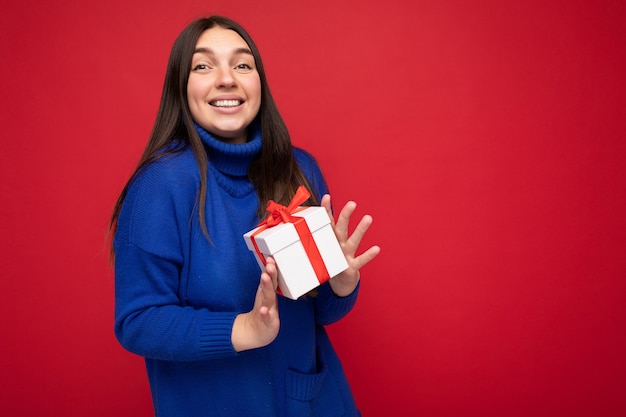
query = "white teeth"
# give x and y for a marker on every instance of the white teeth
(226, 103)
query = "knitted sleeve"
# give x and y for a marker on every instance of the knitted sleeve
(150, 319)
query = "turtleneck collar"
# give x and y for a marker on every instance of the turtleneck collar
(228, 158)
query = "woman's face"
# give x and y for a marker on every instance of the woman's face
(224, 88)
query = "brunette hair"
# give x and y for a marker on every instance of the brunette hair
(274, 173)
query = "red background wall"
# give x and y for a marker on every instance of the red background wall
(486, 139)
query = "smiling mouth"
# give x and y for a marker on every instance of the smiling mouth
(225, 103)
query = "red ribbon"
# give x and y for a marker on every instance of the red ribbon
(281, 214)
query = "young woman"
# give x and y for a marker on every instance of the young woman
(217, 339)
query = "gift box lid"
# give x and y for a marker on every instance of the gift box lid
(274, 239)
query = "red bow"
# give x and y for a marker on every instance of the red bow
(281, 214)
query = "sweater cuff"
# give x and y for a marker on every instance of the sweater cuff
(348, 299)
(331, 307)
(215, 337)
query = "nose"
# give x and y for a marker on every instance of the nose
(225, 77)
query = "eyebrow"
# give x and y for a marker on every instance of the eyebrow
(210, 51)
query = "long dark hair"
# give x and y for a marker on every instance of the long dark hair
(274, 172)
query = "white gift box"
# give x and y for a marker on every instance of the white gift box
(296, 271)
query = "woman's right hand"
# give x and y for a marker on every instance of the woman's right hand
(259, 327)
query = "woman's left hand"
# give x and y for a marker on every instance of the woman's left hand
(345, 283)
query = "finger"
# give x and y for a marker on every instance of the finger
(267, 298)
(341, 228)
(267, 290)
(327, 205)
(364, 258)
(271, 262)
(272, 270)
(354, 240)
(267, 303)
(266, 287)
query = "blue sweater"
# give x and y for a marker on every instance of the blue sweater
(177, 296)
